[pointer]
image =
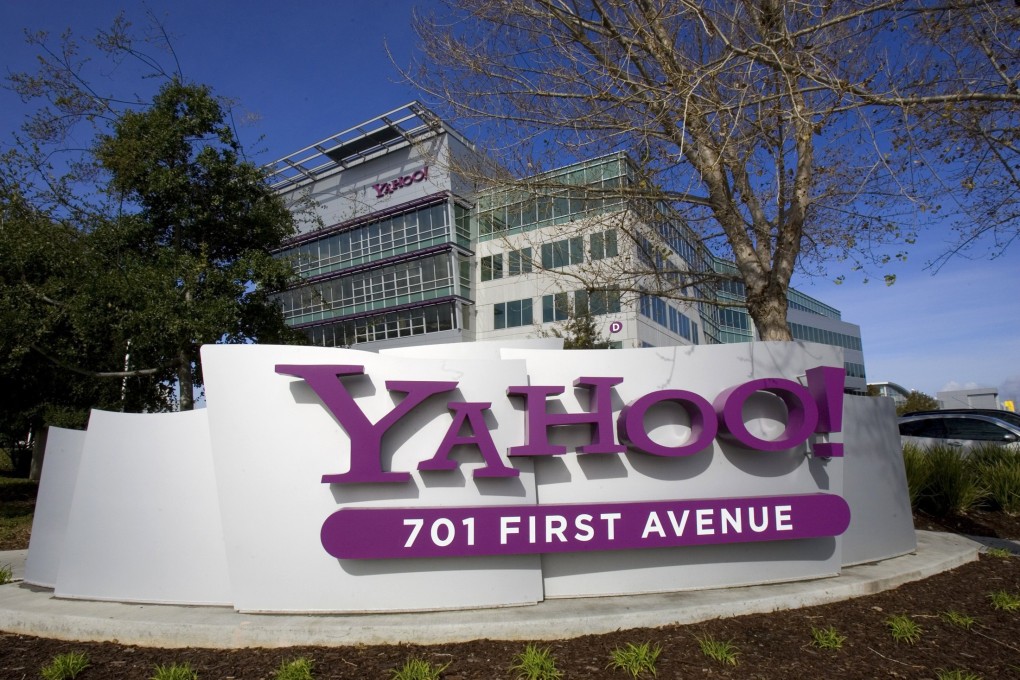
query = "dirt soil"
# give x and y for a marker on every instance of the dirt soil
(772, 646)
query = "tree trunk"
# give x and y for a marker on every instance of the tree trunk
(185, 380)
(39, 436)
(768, 310)
(186, 383)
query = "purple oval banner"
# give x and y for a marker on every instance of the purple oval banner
(388, 533)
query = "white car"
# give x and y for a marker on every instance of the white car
(958, 429)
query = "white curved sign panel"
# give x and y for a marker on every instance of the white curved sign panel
(346, 481)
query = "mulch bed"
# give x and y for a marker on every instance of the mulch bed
(772, 646)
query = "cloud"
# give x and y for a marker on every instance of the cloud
(1010, 389)
(952, 386)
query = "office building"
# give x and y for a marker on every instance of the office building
(407, 238)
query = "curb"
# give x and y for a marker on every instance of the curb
(29, 610)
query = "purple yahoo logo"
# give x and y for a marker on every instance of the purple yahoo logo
(387, 188)
(816, 408)
(387, 533)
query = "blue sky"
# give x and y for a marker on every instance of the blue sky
(303, 70)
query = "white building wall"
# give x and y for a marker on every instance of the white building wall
(342, 194)
(978, 397)
(627, 327)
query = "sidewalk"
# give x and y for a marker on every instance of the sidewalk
(34, 611)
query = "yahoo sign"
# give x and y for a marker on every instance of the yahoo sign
(355, 533)
(322, 480)
(387, 188)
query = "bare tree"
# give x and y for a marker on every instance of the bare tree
(596, 229)
(785, 133)
(971, 145)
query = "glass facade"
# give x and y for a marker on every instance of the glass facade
(797, 300)
(378, 240)
(667, 316)
(812, 334)
(560, 196)
(388, 286)
(386, 326)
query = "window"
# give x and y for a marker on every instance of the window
(581, 302)
(576, 250)
(977, 430)
(604, 301)
(734, 318)
(733, 288)
(520, 262)
(854, 370)
(555, 307)
(512, 314)
(935, 429)
(462, 224)
(492, 267)
(603, 244)
(563, 253)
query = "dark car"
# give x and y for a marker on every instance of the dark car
(963, 428)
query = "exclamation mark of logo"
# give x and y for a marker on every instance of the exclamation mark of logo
(825, 383)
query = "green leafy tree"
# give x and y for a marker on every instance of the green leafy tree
(580, 331)
(62, 328)
(203, 221)
(917, 401)
(120, 258)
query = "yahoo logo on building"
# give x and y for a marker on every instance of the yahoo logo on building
(386, 188)
(812, 409)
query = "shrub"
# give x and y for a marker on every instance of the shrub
(635, 659)
(1001, 553)
(419, 669)
(952, 484)
(958, 619)
(65, 666)
(174, 672)
(986, 454)
(827, 638)
(1003, 601)
(6, 574)
(722, 651)
(903, 629)
(535, 663)
(942, 674)
(1001, 480)
(298, 669)
(918, 469)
